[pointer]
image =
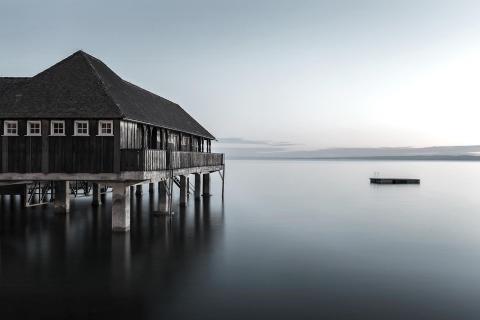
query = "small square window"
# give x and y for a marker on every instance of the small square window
(81, 128)
(34, 128)
(105, 128)
(10, 128)
(57, 128)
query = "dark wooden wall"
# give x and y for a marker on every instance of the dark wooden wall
(87, 154)
(65, 154)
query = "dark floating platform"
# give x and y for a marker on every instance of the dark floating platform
(394, 181)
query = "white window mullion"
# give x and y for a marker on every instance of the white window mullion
(34, 128)
(81, 128)
(10, 128)
(57, 128)
(105, 128)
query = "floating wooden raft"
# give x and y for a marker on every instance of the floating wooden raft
(394, 181)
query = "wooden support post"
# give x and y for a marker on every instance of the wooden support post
(160, 186)
(62, 196)
(198, 185)
(170, 195)
(151, 187)
(4, 154)
(223, 182)
(139, 190)
(116, 146)
(206, 184)
(24, 196)
(96, 198)
(120, 207)
(183, 191)
(45, 146)
(164, 196)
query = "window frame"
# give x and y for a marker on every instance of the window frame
(29, 128)
(5, 133)
(75, 128)
(100, 133)
(52, 133)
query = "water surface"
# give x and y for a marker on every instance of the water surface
(292, 240)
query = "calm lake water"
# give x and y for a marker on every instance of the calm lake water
(293, 240)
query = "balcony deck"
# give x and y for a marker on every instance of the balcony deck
(158, 160)
(137, 165)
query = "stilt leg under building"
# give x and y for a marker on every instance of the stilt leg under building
(96, 195)
(151, 187)
(222, 175)
(120, 207)
(24, 196)
(183, 191)
(62, 196)
(164, 196)
(198, 185)
(139, 190)
(206, 184)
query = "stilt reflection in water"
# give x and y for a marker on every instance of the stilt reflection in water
(48, 258)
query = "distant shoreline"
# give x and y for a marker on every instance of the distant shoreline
(462, 158)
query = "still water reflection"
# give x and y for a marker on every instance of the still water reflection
(57, 266)
(293, 240)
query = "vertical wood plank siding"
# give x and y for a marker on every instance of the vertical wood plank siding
(143, 160)
(62, 154)
(141, 136)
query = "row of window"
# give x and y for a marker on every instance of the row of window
(57, 128)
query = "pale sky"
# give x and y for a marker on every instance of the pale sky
(314, 73)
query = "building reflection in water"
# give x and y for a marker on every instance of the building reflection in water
(74, 265)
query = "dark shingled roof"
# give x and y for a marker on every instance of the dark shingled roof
(81, 86)
(6, 82)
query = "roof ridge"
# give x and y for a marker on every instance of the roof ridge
(57, 64)
(104, 86)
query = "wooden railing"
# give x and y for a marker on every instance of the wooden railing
(184, 159)
(156, 160)
(143, 160)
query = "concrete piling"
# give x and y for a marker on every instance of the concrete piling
(139, 190)
(163, 196)
(120, 207)
(206, 184)
(62, 196)
(183, 191)
(96, 198)
(198, 185)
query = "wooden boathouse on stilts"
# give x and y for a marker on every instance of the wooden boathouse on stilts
(78, 125)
